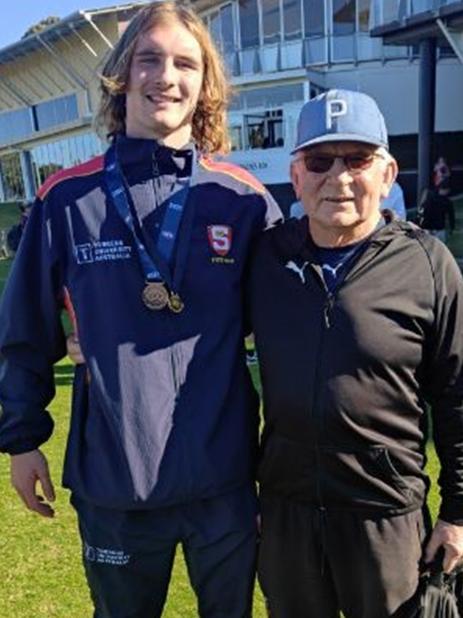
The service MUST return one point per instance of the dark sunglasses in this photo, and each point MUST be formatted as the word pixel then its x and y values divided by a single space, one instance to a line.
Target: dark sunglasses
pixel 322 163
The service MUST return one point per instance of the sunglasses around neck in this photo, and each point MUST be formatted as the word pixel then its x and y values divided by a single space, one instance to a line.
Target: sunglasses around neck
pixel 354 162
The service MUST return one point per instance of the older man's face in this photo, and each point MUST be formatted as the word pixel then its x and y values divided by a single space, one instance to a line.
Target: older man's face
pixel 342 198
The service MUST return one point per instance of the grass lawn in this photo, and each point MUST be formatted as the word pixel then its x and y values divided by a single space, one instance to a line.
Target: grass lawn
pixel 40 568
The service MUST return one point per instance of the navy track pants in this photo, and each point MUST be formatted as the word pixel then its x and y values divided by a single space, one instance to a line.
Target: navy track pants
pixel 128 555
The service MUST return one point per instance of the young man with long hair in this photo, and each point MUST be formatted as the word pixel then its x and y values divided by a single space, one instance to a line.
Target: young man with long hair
pixel 146 246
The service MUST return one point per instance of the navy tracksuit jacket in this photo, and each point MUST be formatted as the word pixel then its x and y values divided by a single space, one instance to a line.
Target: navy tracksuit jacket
pixel 169 414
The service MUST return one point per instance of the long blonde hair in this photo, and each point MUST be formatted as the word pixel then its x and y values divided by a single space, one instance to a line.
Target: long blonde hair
pixel 209 123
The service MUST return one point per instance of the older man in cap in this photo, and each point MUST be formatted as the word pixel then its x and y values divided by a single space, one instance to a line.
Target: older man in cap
pixel 358 323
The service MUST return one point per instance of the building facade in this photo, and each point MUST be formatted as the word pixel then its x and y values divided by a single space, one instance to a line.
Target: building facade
pixel 278 54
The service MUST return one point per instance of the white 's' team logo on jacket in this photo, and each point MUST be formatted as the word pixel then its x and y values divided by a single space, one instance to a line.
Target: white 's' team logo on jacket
pixel 220 238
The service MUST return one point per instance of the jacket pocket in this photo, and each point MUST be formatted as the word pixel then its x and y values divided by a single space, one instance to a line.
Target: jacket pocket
pixel 367 478
pixel 384 458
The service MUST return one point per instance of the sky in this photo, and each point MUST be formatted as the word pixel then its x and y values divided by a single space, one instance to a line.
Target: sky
pixel 18 15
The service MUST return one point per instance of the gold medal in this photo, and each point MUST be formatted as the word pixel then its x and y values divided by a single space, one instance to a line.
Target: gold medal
pixel 155 296
pixel 175 303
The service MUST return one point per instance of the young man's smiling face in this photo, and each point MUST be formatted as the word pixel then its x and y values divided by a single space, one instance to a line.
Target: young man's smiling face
pixel 165 81
pixel 343 204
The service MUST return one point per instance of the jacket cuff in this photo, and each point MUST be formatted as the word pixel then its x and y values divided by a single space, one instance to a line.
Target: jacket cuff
pixel 21 448
pixel 451 511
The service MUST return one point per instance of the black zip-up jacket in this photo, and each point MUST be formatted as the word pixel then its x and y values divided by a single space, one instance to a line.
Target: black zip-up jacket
pixel 346 376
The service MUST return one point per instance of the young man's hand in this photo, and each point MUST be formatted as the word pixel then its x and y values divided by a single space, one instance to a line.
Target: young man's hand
pixel 28 469
pixel 74 350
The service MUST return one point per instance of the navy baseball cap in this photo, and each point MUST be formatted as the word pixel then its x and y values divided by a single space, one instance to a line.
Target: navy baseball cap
pixel 339 116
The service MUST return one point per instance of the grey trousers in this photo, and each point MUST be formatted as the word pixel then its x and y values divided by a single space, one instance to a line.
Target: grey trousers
pixel 315 563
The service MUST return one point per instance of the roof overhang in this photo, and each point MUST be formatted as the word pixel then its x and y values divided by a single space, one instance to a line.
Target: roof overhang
pixel 53 33
pixel 415 28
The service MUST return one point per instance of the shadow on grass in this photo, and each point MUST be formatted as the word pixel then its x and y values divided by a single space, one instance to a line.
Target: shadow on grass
pixel 64 374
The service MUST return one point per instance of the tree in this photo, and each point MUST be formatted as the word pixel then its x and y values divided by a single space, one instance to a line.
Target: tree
pixel 41 25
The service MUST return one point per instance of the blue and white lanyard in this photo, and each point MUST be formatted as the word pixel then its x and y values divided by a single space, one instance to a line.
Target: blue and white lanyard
pixel 156 269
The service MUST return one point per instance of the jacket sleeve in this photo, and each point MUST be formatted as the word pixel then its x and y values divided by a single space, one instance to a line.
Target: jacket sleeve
pixel 273 213
pixel 445 380
pixel 270 216
pixel 31 338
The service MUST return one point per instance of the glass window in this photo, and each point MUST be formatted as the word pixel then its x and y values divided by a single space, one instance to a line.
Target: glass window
pixel 390 11
pixel 249 23
pixel 214 28
pixel 343 17
pixel 67 152
pixel 364 15
pixel 80 148
pixel 314 18
pixel 236 137
pixel 419 6
pixel 222 29
pixel 237 101
pixel 73 152
pixel 56 112
pixel 292 19
pixel 12 177
pixel 271 21
pixel 227 29
pixel 273 96
pixel 15 125
pixel 265 130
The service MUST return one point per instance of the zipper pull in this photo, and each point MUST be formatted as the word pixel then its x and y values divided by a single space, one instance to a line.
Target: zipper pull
pixel 327 310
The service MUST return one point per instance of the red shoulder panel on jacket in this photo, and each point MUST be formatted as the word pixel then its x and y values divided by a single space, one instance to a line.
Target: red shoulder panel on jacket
pixel 84 169
pixel 67 301
pixel 234 171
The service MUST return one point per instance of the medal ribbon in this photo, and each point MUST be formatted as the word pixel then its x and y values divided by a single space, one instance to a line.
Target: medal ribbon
pixel 154 270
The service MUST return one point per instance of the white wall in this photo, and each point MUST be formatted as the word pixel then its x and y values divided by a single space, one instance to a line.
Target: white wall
pixel 395 86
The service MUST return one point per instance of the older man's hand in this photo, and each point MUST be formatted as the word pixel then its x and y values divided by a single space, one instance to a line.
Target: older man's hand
pixel 450 537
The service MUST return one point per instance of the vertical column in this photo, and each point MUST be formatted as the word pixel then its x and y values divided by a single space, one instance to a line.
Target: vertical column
pixel 2 185
pixel 427 109
pixel 27 174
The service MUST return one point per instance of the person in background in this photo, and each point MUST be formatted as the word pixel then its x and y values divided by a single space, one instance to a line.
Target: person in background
pixel 436 213
pixel 395 202
pixel 370 313
pixel 442 176
pixel 15 233
pixel 146 246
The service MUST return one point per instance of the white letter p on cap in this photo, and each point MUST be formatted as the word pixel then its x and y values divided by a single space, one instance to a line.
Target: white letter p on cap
pixel 334 109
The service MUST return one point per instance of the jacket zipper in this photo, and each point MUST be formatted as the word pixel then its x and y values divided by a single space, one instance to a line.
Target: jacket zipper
pixel 325 325
pixel 321 509
pixel 327 309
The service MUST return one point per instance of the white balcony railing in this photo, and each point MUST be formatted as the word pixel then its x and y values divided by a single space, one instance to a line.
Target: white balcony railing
pixel 385 12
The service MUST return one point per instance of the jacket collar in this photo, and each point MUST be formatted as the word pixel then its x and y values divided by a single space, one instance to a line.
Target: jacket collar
pixel 136 154
pixel 293 237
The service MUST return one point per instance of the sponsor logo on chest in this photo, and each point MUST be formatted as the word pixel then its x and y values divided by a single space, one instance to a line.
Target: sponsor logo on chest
pixel 102 251
pixel 220 240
